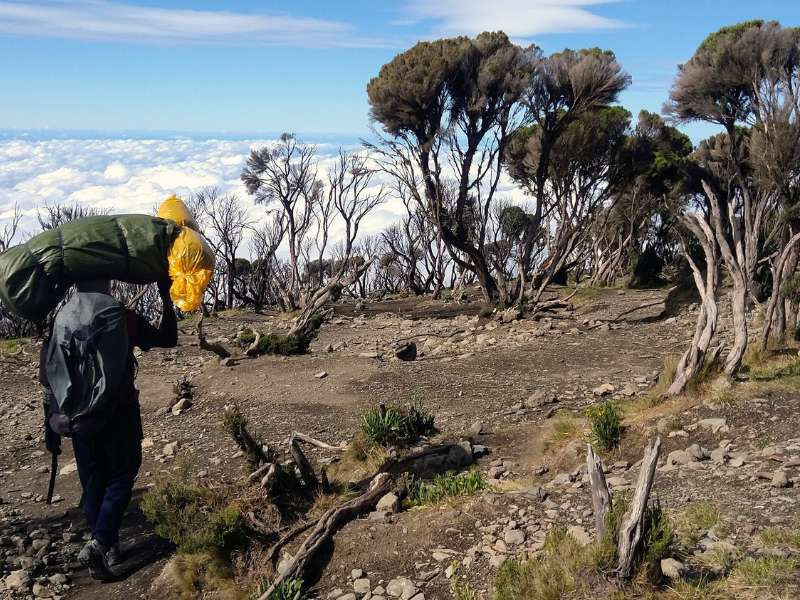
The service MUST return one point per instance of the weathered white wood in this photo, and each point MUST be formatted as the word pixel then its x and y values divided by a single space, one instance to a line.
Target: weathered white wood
pixel 630 531
pixel 601 496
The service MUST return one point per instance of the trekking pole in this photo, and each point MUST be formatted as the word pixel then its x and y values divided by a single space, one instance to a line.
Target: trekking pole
pixel 52 485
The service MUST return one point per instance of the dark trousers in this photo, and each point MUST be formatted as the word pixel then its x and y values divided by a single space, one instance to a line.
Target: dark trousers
pixel 108 462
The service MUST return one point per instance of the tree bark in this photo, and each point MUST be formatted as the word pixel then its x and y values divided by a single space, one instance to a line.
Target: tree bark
pixel 327 526
pixel 601 496
pixel 630 532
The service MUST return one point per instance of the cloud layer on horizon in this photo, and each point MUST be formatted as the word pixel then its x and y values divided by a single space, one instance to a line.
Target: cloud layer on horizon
pixel 134 176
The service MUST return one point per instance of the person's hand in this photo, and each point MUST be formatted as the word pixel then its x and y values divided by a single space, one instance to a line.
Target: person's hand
pixel 52 440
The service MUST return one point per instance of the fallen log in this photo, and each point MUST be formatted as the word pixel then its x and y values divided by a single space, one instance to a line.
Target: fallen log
pixel 327 526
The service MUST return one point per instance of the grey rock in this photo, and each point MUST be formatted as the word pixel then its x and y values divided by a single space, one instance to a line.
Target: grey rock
pixel 779 479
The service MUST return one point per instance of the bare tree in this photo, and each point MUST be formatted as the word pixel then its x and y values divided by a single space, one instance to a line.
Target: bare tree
pixel 226 219
pixel 351 191
pixel 286 174
pixel 10 229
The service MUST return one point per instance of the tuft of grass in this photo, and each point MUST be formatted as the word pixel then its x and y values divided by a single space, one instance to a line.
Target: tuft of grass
pixel 448 485
pixel 665 379
pixel 12 345
pixel 193 517
pixel 765 573
pixel 397 425
pixel 563 429
pixel 552 575
pixel 202 573
pixel 606 425
pixel 773 536
pixel 695 519
pixel 769 372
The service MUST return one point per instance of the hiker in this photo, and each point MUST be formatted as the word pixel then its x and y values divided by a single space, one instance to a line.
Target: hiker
pixel 88 369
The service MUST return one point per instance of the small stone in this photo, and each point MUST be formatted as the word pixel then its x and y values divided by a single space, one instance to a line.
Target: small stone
pixel 678 457
pixel 17 579
pixel 562 479
pixel 389 503
pixel 671 568
pixel 169 448
pixel 514 537
pixel 321 375
pixel 40 591
pixel 180 406
pixel 779 479
pixel 401 587
pixel 227 362
pixel 68 468
pixel 348 596
pixel 715 425
pixel 362 585
pixel 476 429
pixel 356 574
pixel 603 390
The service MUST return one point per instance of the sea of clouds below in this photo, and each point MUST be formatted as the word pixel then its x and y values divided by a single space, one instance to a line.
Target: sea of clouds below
pixel 135 175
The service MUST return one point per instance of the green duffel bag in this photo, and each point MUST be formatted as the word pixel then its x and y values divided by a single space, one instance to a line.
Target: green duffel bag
pixel 34 276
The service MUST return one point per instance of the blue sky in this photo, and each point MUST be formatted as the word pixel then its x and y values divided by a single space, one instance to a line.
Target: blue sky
pixel 260 67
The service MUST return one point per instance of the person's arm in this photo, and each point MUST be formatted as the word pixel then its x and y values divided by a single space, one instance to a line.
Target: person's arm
pixel 166 335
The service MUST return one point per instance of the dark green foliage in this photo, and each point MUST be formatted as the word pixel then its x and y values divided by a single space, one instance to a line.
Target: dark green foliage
pixel 448 485
pixel 193 517
pixel 284 345
pixel 392 425
pixel 291 589
pixel 606 425
pixel 235 424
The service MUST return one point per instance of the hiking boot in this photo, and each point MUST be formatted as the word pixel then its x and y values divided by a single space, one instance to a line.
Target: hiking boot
pixel 93 557
pixel 114 556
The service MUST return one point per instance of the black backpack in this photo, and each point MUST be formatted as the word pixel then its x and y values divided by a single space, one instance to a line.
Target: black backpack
pixel 88 359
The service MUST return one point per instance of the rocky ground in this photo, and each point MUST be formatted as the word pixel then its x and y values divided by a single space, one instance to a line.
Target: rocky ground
pixel 519 388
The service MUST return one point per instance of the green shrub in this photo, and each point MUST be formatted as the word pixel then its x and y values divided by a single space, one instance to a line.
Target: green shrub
pixel 443 486
pixel 193 517
pixel 275 343
pixel 606 425
pixel 392 425
pixel 284 345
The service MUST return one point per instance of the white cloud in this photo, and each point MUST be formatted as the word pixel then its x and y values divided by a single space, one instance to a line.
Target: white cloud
pixel 102 20
pixel 518 18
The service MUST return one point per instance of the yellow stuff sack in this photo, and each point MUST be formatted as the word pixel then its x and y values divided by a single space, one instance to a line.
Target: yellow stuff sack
pixel 190 258
pixel 174 209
